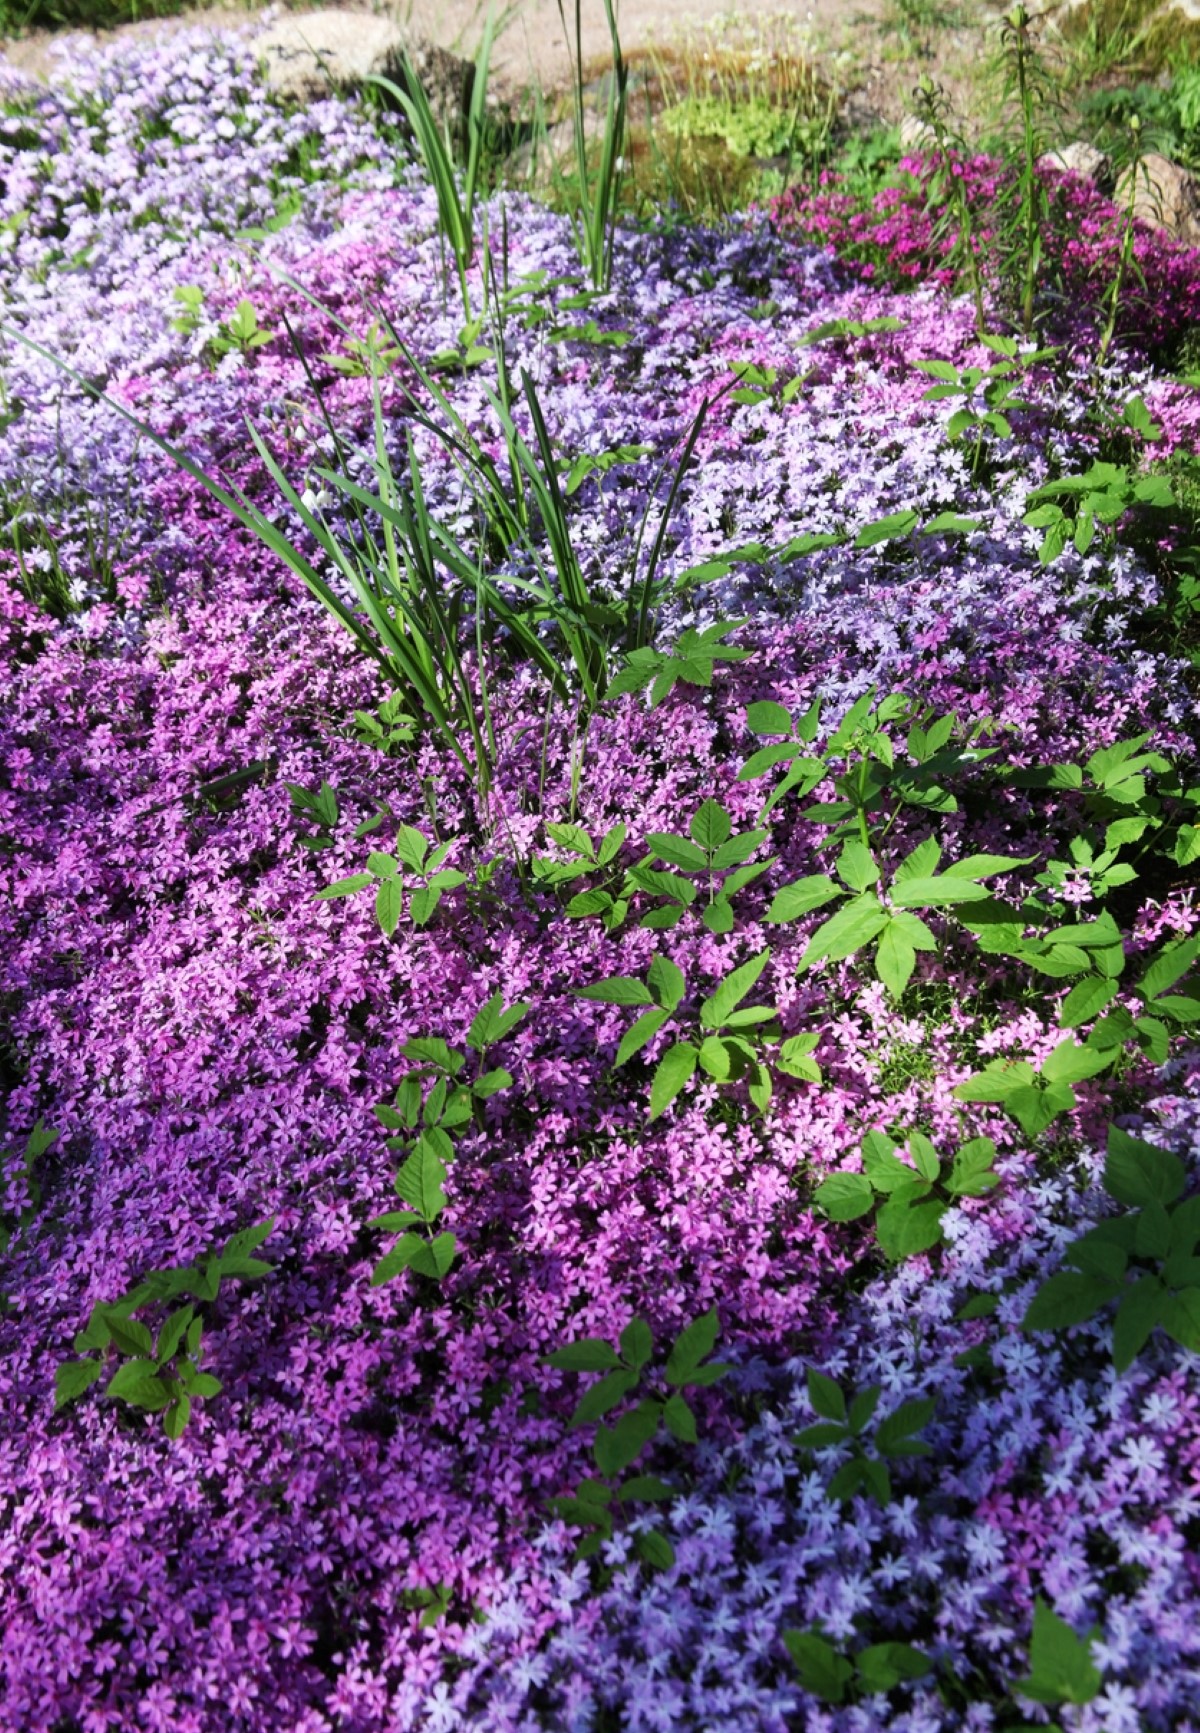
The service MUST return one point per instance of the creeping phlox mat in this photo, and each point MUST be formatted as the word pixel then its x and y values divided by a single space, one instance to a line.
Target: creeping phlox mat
pixel 697 1229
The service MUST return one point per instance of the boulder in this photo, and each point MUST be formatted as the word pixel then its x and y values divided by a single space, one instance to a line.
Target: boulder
pixel 916 134
pixel 1079 158
pixel 1164 194
pixel 307 55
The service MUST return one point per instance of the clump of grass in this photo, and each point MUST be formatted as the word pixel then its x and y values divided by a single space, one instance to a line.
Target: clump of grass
pixel 1109 37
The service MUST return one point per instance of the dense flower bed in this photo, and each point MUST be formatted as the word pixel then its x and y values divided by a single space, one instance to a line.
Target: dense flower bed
pixel 355 1532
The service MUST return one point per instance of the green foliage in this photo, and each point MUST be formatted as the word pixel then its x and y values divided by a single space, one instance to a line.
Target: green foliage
pixel 388 727
pixel 692 661
pixel 908 1200
pixel 1145 1259
pixel 842 331
pixel 724 1039
pixel 860 758
pixel 997 385
pixel 1069 509
pixel 608 899
pixel 425 1125
pixel 1061 1669
pixel 159 1374
pixel 319 807
pixel 875 1670
pixel 877 912
pixel 415 859
pixel 752 126
pixel 1036 1098
pixel 598 181
pixel 843 1425
pixel 617 1446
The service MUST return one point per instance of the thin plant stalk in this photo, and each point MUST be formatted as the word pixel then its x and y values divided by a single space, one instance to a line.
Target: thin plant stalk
pixel 456 211
pixel 599 195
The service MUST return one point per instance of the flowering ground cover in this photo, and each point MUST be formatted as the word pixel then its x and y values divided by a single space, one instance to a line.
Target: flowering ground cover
pixel 737 1062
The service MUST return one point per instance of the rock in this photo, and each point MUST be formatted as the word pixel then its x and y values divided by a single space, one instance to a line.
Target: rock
pixel 1079 158
pixel 309 54
pixel 916 134
pixel 1165 195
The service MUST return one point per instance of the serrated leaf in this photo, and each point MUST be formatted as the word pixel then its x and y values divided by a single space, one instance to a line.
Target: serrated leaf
pixel 905 1225
pixel 1061 1669
pixel 615 1448
pixel 617 990
pixel 604 1396
pixel 845 1197
pixel 826 1396
pixel 694 1343
pixel 588 1355
pixel 1066 1299
pixel 637 1343
pixel 679 1419
pixel 73 1377
pixel 666 982
pixel 1138 1173
pixel 674 1071
pixel 421 1180
pixel 800 898
pixel 655 1549
pixel 715 1011
pixel 822 1671
pixel 137 1382
pixel 642 1032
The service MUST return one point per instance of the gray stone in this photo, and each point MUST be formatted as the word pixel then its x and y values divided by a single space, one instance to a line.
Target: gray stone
pixel 1079 158
pixel 916 134
pixel 1165 195
pixel 309 54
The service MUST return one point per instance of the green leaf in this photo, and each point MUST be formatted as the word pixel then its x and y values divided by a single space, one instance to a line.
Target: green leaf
pixel 1066 1299
pixel 932 893
pixel 1071 1063
pixel 996 1082
pixel 637 1343
pixel 1086 1000
pixel 711 826
pixel 130 1336
pixel 389 900
pixel 800 898
pixel 137 1382
pixel 716 1010
pixel 895 959
pixel 905 1226
pixel 420 1181
pixel 678 851
pixel 73 1377
pixel 587 1355
pixel 899 523
pixel 820 1436
pixel 883 1666
pixel 604 1396
pixel 826 1396
pixel 822 1671
pixel 845 1197
pixel 435 1257
pixel 896 1433
pixel 1138 1173
pixel 1143 1306
pixel 675 1069
pixel 862 1410
pixel 794 1058
pixel 655 1549
pixel 615 1448
pixel 645 1489
pixel 617 990
pixel 411 847
pixel 176 1417
pixel 855 924
pixel 856 866
pixel 766 717
pixel 694 1343
pixel 666 982
pixel 642 1032
pixel 1168 967
pixel 171 1334
pixel 679 1419
pixel 716 1058
pixel 1061 1669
